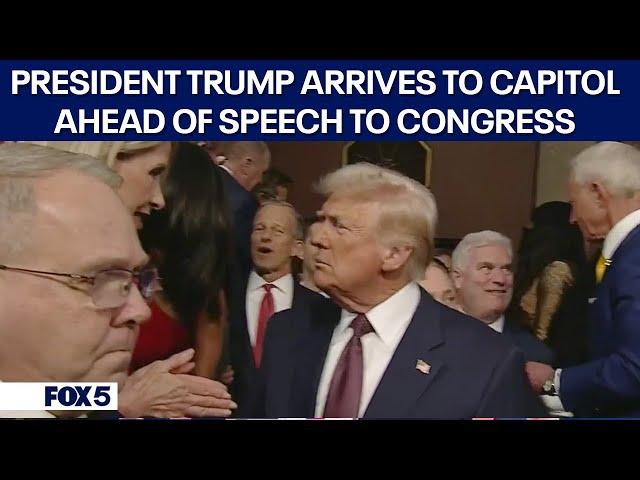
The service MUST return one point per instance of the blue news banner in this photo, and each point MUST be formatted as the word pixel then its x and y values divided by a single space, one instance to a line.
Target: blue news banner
pixel 319 100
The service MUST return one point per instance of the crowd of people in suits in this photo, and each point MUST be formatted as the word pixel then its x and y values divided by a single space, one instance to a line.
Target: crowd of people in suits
pixel 220 300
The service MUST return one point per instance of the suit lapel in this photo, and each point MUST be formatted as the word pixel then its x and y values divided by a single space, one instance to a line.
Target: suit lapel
pixel 310 353
pixel 402 383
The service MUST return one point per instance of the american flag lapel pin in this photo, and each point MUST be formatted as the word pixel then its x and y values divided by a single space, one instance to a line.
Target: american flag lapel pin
pixel 423 367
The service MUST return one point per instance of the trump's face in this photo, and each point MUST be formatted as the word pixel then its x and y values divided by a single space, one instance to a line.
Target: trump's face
pixel 309 250
pixel 348 254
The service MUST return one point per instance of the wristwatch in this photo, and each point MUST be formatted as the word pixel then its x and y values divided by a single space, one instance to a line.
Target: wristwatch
pixel 549 387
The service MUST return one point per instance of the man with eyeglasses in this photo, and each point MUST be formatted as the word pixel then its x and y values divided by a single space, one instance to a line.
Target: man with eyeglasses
pixel 73 277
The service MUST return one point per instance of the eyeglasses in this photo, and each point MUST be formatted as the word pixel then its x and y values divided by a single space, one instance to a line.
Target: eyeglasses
pixel 108 288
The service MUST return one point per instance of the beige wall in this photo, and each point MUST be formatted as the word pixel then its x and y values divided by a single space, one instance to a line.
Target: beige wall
pixel 553 169
pixel 478 185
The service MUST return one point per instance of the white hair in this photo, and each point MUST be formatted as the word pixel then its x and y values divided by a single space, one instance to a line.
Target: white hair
pixel 616 165
pixel 408 212
pixel 19 164
pixel 462 253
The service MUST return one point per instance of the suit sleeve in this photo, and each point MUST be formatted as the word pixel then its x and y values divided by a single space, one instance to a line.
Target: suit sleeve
pixel 508 394
pixel 613 381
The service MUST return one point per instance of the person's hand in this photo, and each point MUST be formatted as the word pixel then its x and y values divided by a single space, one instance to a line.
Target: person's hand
pixel 207 398
pixel 162 389
pixel 227 376
pixel 538 373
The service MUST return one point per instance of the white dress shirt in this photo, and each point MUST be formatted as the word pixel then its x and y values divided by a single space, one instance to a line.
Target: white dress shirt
pixel 282 299
pixel 498 325
pixel 612 241
pixel 390 319
pixel 618 233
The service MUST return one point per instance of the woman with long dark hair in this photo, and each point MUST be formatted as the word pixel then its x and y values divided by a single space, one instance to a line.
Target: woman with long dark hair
pixel 550 293
pixel 189 243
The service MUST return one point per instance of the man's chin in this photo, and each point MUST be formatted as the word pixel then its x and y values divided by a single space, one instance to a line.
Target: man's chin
pixel 114 367
pixel 326 285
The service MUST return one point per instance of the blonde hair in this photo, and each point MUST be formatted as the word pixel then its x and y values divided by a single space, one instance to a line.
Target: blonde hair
pixel 106 152
pixel 408 211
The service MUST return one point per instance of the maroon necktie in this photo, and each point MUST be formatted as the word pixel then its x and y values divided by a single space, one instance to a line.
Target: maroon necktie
pixel 343 399
pixel 266 310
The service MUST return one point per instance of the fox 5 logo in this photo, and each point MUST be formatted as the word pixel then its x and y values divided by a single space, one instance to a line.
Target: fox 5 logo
pixel 87 396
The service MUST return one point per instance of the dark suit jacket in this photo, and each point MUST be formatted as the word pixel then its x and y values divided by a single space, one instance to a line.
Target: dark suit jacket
pixel 534 350
pixel 242 209
pixel 475 372
pixel 241 350
pixel 609 384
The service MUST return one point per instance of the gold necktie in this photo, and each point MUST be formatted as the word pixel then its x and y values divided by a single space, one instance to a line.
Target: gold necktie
pixel 601 267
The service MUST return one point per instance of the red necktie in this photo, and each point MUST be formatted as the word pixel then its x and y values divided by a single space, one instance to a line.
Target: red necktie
pixel 266 310
pixel 343 399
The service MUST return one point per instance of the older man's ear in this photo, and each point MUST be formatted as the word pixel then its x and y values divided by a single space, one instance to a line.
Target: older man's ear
pixel 395 258
pixel 457 278
pixel 298 249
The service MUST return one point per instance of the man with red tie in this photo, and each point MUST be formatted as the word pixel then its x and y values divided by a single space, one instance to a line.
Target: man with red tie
pixel 381 347
pixel 275 239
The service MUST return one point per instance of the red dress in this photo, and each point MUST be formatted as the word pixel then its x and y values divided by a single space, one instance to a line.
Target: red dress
pixel 160 337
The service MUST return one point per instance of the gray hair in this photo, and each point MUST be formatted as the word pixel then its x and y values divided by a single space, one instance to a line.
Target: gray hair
pixel 462 253
pixel 616 165
pixel 298 220
pixel 19 164
pixel 408 212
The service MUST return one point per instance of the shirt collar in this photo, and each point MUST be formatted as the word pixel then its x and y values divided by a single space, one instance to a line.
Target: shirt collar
pixel 619 232
pixel 498 325
pixel 284 283
pixel 389 318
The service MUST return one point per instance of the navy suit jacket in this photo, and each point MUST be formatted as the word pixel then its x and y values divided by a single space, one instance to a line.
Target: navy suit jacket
pixel 242 209
pixel 534 350
pixel 475 372
pixel 241 350
pixel 609 384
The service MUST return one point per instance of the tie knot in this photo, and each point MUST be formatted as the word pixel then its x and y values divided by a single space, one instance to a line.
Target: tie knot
pixel 361 326
pixel 268 286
